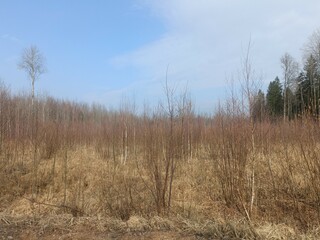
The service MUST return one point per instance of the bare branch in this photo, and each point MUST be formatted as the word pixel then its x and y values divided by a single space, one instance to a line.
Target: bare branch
pixel 33 63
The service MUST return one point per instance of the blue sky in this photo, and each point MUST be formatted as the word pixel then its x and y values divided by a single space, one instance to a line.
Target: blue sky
pixel 104 51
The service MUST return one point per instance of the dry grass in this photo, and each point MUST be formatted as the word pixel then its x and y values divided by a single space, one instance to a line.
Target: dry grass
pixel 50 225
pixel 107 196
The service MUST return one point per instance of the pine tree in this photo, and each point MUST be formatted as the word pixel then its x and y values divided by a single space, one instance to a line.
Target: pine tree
pixel 302 94
pixel 275 98
pixel 259 105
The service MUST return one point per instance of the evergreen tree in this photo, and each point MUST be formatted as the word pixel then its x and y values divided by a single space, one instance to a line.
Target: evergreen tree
pixel 291 99
pixel 302 94
pixel 259 105
pixel 275 98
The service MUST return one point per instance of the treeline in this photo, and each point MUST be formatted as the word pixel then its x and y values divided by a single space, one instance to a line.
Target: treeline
pixel 298 93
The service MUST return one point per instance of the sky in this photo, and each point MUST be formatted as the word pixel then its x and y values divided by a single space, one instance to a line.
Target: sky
pixel 105 51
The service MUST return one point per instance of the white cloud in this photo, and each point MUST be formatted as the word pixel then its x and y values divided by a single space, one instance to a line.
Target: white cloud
pixel 204 38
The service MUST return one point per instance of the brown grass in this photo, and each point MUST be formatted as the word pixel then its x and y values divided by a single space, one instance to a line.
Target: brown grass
pixel 98 187
pixel 66 226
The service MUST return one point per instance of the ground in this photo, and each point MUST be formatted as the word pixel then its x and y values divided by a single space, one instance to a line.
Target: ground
pixel 59 228
pixel 30 233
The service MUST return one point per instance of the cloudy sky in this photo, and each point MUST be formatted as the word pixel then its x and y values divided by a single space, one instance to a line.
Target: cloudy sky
pixel 104 51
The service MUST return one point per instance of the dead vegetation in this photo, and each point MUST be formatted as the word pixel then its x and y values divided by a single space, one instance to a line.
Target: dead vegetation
pixel 67 226
pixel 71 167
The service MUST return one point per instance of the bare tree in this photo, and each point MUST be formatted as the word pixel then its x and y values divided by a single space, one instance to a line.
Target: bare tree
pixel 312 57
pixel 33 63
pixel 313 47
pixel 290 72
pixel 250 83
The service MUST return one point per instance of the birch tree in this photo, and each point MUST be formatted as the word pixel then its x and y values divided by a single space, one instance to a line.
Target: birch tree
pixel 33 63
pixel 290 72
